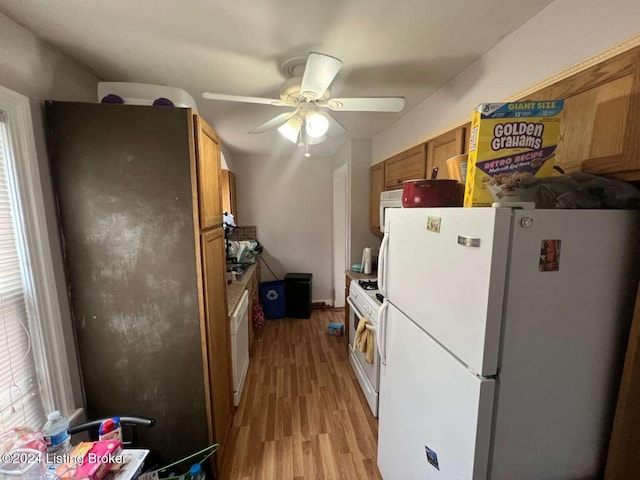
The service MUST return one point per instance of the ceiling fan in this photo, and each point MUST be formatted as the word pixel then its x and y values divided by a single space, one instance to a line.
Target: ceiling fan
pixel 307 93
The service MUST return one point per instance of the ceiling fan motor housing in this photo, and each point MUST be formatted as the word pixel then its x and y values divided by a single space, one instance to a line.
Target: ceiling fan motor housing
pixel 290 92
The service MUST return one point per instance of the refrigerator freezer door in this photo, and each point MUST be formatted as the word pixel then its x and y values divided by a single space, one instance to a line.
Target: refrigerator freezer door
pixel 571 283
pixel 435 415
pixel 445 269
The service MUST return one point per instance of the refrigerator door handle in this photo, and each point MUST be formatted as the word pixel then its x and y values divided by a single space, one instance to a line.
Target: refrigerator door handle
pixel 382 265
pixel 381 332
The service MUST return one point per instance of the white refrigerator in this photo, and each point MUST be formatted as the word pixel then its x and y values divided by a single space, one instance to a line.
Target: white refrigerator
pixel 501 340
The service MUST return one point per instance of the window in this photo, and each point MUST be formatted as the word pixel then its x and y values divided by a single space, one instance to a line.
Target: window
pixel 20 400
pixel 34 369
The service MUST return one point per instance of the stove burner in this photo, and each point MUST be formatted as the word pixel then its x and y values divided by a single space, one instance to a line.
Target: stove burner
pixel 368 284
pixel 380 297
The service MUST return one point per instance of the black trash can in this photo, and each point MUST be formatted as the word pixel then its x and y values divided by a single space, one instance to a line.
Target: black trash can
pixel 297 294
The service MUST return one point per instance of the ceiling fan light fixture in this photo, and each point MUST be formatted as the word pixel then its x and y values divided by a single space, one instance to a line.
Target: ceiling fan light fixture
pixel 316 124
pixel 291 129
pixel 315 140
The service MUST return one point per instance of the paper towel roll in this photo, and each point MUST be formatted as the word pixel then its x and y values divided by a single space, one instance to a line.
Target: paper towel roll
pixel 366 260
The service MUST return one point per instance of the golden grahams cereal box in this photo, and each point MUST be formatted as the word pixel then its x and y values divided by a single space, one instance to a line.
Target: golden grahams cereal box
pixel 510 142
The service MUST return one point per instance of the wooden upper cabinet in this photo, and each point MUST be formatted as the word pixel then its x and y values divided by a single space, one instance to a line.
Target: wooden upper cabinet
pixel 207 146
pixel 599 130
pixel 442 148
pixel 408 165
pixel 375 189
pixel 228 188
pixel 467 134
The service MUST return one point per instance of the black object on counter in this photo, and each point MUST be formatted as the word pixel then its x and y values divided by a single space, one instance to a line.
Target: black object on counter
pixel 297 294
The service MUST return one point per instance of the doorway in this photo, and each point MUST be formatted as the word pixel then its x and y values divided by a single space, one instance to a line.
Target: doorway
pixel 341 244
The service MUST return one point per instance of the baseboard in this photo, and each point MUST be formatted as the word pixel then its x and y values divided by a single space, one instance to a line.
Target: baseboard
pixel 320 304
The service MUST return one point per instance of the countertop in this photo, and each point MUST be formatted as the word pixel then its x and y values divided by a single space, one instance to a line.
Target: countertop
pixel 361 276
pixel 235 289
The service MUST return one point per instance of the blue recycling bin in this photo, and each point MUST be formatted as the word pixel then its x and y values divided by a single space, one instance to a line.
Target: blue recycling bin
pixel 272 299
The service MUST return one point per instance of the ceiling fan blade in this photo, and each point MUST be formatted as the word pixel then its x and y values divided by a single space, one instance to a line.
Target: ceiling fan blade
pixel 318 74
pixel 274 122
pixel 240 98
pixel 335 127
pixel 365 104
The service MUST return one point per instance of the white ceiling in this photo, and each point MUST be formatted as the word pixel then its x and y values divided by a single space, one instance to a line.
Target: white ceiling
pixel 404 48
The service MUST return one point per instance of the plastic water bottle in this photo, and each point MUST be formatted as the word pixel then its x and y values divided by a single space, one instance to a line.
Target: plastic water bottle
pixel 56 434
pixel 196 472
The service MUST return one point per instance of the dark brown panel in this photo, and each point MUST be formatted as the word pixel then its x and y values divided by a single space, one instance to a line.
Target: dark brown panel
pixel 122 176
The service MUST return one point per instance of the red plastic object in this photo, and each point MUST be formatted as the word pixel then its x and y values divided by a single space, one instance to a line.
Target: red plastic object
pixel 432 193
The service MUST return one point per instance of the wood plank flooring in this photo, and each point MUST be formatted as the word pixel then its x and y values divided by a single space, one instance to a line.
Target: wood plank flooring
pixel 302 413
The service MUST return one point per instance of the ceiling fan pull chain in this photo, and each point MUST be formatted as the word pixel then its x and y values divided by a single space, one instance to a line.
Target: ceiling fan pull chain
pixel 306 143
pixel 300 142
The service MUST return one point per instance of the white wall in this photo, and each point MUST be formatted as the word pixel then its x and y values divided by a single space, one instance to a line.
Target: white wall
pixel 38 71
pixel 289 199
pixel 561 35
pixel 359 166
pixel 357 155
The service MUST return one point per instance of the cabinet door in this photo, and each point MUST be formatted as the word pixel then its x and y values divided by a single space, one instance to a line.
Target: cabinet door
pixel 228 189
pixel 407 165
pixel 232 196
pixel 347 310
pixel 208 166
pixel 252 286
pixel 467 132
pixel 218 334
pixel 442 148
pixel 599 131
pixel 375 189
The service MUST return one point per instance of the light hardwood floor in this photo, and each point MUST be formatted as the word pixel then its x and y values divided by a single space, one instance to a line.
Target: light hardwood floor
pixel 302 414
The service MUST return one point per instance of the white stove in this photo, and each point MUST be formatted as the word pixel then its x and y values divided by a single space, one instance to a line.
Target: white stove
pixel 369 288
pixel 365 301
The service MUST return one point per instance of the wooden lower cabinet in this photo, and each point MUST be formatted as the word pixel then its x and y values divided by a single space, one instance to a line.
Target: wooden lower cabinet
pixel 218 335
pixel 252 287
pixel 347 310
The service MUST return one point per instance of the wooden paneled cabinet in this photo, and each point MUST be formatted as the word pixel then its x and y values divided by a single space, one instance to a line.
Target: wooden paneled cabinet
pixel 347 309
pixel 252 287
pixel 228 189
pixel 408 165
pixel 218 333
pixel 375 189
pixel 208 153
pixel 600 128
pixel 442 148
pixel 390 174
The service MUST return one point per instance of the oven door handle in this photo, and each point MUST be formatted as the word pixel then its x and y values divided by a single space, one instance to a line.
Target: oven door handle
pixel 356 311
pixel 353 307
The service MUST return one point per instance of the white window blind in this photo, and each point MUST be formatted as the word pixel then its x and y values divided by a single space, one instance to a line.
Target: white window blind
pixel 20 399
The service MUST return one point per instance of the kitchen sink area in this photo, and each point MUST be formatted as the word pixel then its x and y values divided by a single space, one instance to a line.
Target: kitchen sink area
pixel 237 271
